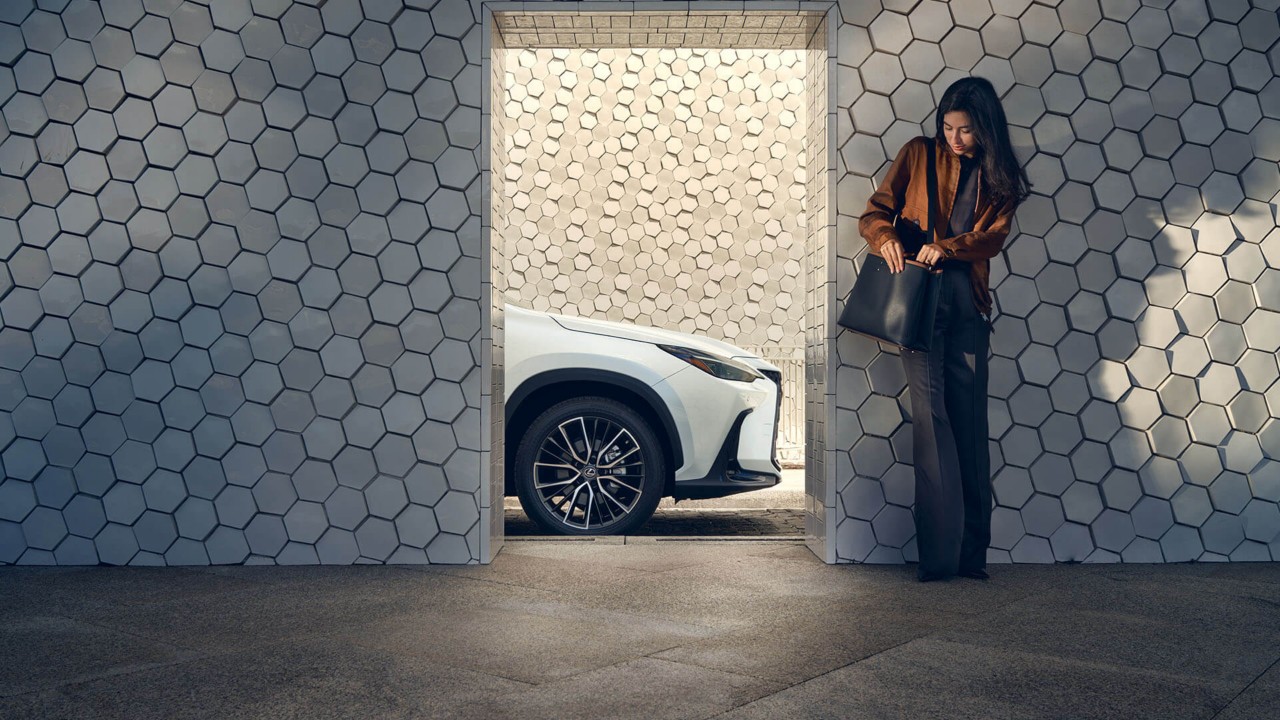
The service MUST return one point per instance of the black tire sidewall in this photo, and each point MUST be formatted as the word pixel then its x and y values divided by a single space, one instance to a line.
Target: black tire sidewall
pixel 614 411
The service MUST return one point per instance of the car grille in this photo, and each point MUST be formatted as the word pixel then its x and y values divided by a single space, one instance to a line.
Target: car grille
pixel 776 377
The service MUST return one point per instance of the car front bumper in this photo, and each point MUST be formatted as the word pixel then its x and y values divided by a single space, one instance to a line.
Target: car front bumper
pixel 731 428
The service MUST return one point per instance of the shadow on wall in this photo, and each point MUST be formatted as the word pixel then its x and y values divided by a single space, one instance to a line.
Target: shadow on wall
pixel 240 296
pixel 1134 395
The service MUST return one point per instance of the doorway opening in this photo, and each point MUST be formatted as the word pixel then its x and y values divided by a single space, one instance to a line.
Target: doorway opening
pixel 666 170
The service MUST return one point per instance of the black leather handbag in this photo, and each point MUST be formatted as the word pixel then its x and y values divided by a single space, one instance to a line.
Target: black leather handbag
pixel 899 308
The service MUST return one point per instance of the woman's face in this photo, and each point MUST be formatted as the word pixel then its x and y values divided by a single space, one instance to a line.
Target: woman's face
pixel 959 133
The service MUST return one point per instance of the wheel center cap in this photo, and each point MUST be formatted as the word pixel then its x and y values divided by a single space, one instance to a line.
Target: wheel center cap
pixel 589 471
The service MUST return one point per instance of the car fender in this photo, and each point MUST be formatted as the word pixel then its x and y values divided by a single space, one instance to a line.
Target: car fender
pixel 610 377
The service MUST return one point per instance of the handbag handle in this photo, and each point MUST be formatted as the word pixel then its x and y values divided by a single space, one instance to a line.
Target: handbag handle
pixel 926 266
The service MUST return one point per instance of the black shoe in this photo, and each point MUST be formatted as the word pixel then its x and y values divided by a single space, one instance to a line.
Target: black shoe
pixel 976 573
pixel 930 576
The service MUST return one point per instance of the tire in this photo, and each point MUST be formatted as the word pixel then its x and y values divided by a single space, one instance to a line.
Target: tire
pixel 574 500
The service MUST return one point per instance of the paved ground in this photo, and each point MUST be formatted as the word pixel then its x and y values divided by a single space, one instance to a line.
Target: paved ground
pixel 648 629
pixel 694 522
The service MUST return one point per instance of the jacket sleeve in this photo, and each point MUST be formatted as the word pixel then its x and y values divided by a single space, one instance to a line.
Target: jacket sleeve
pixel 981 244
pixel 876 223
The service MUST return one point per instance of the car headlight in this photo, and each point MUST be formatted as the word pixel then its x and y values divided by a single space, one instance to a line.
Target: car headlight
pixel 722 367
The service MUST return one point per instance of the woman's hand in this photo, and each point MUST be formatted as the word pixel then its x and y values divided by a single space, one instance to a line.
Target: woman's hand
pixel 891 251
pixel 930 254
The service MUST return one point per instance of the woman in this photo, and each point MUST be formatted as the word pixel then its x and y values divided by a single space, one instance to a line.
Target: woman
pixel 980 184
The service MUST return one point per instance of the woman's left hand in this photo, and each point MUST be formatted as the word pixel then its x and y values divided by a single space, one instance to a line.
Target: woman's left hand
pixel 930 254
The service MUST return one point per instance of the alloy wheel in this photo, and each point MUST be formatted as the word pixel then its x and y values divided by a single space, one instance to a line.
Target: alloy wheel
pixel 589 472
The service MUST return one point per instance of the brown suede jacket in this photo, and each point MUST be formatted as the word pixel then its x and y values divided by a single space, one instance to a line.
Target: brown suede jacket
pixel 905 189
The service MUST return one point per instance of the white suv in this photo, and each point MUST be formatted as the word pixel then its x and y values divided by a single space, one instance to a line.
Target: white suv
pixel 604 419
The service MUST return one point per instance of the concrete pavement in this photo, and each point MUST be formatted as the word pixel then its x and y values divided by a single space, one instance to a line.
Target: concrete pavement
pixel 641 628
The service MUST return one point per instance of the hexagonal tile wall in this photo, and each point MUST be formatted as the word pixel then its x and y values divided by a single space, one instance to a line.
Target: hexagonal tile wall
pixel 659 187
pixel 210 220
pixel 1134 326
pixel 628 199
pixel 154 156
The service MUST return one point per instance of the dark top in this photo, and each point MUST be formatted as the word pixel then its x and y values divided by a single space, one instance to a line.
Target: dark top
pixel 966 198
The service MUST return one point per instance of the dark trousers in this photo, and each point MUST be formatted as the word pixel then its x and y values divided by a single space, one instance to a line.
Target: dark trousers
pixel 949 433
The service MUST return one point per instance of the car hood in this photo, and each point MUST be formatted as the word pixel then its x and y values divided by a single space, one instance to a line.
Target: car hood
pixel 645 333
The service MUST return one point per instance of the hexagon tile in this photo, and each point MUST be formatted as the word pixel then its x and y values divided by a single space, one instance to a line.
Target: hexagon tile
pixel 243 298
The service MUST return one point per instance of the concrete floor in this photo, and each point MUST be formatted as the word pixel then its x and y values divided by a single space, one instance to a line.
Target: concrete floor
pixel 641 628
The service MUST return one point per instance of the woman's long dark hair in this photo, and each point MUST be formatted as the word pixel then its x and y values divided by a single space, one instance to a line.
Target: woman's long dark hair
pixel 1002 175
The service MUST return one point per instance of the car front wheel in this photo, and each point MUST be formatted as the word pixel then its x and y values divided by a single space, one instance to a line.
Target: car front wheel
pixel 589 466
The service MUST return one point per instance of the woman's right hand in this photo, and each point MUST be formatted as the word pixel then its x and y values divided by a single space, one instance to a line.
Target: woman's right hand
pixel 891 251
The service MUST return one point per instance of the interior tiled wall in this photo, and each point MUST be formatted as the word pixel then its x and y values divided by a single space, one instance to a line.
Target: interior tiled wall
pixel 818 260
pixel 243 293
pixel 495 127
pixel 721 176
pixel 771 26
pixel 655 186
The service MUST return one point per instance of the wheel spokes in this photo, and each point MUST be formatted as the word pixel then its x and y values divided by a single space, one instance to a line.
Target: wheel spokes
pixel 632 489
pixel 569 445
pixel 553 483
pixel 558 451
pixel 620 458
pixel 574 485
pixel 624 508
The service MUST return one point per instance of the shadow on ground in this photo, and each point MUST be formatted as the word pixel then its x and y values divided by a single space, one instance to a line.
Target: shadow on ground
pixel 742 522
pixel 608 628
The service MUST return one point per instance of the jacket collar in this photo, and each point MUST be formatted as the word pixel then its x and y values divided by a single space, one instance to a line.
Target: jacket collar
pixel 949 181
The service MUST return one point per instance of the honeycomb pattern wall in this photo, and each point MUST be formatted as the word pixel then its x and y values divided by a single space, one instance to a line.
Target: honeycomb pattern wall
pixel 820 179
pixel 661 187
pixel 241 283
pixel 244 301
pixel 494 130
pixel 1135 408
pixel 770 26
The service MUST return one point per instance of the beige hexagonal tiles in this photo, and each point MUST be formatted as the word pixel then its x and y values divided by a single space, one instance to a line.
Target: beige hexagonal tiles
pixel 663 187
pixel 659 186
